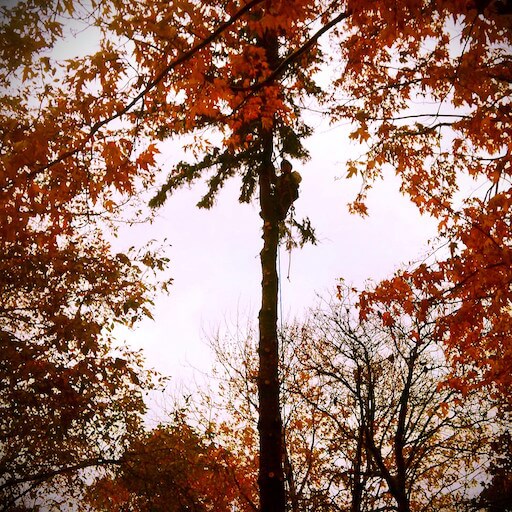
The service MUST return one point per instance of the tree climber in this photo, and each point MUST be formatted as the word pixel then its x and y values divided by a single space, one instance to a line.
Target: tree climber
pixel 287 188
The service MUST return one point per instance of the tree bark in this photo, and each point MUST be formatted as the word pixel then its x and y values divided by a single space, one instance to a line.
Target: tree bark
pixel 271 473
pixel 271 477
pixel 270 426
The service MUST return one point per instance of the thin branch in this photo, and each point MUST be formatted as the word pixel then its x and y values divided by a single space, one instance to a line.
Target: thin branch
pixel 46 475
pixel 152 84
pixel 294 56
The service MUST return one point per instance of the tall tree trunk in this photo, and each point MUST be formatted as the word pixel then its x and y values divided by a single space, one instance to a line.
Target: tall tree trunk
pixel 270 425
pixel 271 477
pixel 271 474
pixel 402 501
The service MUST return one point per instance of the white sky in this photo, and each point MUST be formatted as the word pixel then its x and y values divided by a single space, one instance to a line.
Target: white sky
pixel 215 254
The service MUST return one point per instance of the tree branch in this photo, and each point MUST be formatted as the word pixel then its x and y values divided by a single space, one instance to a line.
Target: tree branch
pixel 281 68
pixel 152 84
pixel 46 475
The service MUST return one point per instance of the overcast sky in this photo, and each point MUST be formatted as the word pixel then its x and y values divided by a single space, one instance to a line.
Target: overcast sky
pixel 215 254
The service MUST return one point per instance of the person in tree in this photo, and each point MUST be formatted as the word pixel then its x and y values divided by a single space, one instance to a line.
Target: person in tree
pixel 287 188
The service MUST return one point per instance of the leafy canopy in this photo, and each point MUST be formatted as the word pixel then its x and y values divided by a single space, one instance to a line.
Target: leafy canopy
pixel 428 84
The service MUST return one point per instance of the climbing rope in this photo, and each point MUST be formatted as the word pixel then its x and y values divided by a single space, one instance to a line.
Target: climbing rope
pixel 290 245
pixel 279 283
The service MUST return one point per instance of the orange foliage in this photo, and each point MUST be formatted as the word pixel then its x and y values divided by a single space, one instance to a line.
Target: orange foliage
pixel 172 468
pixel 437 112
pixel 79 137
pixel 62 289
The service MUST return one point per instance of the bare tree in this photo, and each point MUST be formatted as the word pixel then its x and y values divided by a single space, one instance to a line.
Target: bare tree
pixel 408 442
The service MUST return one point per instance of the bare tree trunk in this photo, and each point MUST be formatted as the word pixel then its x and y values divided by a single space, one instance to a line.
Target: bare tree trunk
pixel 399 441
pixel 271 474
pixel 358 484
pixel 270 425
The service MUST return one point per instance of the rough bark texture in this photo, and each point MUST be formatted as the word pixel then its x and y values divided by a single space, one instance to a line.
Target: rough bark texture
pixel 271 477
pixel 270 428
pixel 271 474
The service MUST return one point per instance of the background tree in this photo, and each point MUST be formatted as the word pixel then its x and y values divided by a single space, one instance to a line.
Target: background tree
pixel 70 396
pixel 172 468
pixel 406 442
pixel 437 114
pixel 367 423
pixel 62 414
